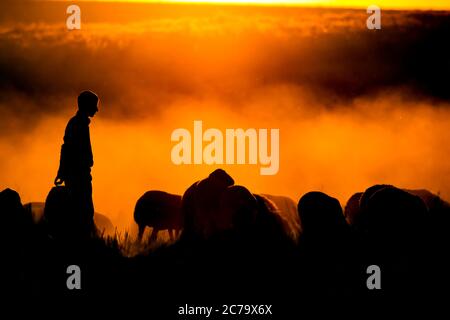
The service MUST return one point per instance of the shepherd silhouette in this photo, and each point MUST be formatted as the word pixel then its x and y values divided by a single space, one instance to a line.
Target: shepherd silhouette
pixel 77 160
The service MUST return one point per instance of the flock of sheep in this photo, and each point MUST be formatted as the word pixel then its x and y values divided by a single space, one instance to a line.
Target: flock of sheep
pixel 212 206
pixel 216 205
pixel 217 225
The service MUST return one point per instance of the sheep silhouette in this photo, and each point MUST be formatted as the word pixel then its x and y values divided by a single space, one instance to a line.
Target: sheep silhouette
pixel 62 220
pixel 254 216
pixel 215 205
pixel 321 216
pixel 352 208
pixel 18 239
pixel 393 219
pixel 238 210
pixel 159 210
pixel 433 201
pixel 254 220
pixel 102 222
pixel 357 204
pixel 272 226
pixel 59 216
pixel 368 193
pixel 201 205
pixel 15 220
pixel 325 243
pixel 287 208
pixel 439 219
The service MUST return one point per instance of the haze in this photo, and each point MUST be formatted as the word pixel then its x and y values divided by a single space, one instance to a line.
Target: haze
pixel 354 107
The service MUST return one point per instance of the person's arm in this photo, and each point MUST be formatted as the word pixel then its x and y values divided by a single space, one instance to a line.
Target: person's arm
pixel 88 148
pixel 64 156
pixel 61 175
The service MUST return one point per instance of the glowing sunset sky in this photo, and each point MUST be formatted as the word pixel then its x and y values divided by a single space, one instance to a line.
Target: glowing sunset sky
pixel 354 107
pixel 388 4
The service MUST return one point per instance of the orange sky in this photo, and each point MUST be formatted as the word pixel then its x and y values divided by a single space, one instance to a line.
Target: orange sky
pixel 388 4
pixel 347 116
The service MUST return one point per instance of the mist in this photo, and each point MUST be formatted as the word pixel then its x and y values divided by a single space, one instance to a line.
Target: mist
pixel 376 141
pixel 354 108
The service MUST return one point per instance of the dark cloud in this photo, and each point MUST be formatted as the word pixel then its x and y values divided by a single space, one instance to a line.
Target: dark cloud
pixel 140 65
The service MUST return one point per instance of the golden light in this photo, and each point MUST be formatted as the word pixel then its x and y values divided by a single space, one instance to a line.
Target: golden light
pixel 201 64
pixel 386 4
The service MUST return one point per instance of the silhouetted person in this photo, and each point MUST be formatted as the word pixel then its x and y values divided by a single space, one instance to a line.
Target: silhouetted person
pixel 77 159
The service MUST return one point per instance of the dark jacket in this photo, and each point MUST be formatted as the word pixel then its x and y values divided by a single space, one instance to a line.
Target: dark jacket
pixel 76 153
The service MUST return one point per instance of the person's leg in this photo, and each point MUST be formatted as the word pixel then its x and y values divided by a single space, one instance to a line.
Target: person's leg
pixel 88 207
pixel 74 210
pixel 83 207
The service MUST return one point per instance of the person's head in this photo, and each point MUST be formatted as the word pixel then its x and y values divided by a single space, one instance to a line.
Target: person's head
pixel 88 103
